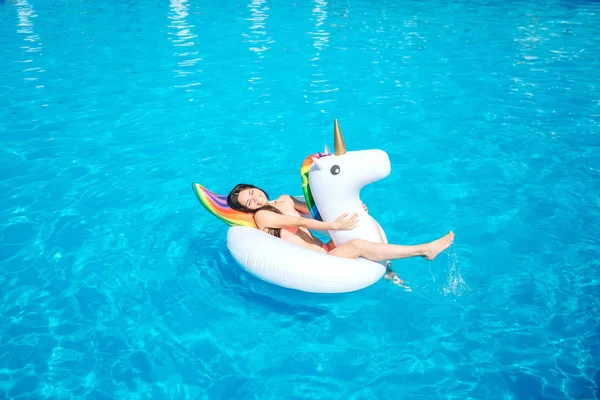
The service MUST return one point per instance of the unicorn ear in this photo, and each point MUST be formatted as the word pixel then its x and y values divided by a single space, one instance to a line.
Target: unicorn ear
pixel 326 151
pixel 317 163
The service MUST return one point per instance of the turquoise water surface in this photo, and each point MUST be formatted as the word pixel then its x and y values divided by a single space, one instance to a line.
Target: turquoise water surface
pixel 117 284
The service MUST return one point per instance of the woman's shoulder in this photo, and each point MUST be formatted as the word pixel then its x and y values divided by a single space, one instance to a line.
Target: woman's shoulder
pixel 284 198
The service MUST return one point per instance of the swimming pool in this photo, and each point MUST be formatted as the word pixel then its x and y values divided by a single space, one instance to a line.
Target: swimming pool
pixel 117 284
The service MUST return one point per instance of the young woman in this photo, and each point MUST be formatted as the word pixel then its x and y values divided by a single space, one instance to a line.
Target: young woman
pixel 282 218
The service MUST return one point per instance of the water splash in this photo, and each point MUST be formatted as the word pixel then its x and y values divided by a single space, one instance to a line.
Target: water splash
pixel 455 284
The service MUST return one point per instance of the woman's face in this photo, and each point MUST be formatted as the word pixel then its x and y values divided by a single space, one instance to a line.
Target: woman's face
pixel 252 199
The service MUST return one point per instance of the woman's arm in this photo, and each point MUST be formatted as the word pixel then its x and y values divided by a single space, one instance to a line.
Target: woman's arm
pixel 269 219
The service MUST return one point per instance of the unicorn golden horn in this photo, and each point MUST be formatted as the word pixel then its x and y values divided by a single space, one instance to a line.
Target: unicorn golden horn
pixel 338 140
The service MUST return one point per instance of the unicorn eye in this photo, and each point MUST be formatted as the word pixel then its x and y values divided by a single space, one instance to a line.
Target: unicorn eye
pixel 335 170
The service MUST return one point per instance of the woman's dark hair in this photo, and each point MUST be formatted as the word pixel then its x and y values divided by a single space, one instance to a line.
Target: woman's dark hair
pixel 233 202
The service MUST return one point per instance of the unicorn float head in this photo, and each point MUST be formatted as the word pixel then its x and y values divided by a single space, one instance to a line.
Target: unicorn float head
pixel 334 182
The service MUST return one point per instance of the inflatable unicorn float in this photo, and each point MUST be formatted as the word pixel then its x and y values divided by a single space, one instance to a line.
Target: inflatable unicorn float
pixel 331 184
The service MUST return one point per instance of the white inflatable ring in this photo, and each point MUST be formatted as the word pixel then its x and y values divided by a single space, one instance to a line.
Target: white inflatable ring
pixel 286 264
pixel 294 267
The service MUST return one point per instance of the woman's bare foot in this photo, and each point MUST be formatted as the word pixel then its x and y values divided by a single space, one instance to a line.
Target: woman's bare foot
pixel 391 275
pixel 434 248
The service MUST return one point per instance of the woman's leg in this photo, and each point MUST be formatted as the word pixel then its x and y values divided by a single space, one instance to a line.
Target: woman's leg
pixel 381 251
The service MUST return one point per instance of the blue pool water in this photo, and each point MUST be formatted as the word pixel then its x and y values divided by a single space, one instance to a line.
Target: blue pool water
pixel 116 283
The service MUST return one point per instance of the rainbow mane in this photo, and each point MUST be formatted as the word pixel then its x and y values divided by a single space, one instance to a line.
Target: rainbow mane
pixel 310 202
pixel 217 205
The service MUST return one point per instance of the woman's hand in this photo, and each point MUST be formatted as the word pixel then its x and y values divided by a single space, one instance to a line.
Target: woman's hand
pixel 345 222
pixel 365 208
